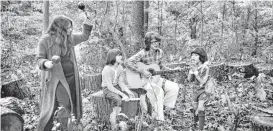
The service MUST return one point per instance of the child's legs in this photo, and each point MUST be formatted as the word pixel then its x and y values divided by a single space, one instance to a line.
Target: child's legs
pixel 201 109
pixel 116 101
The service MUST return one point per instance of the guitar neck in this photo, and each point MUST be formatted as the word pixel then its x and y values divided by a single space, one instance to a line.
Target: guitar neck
pixel 169 71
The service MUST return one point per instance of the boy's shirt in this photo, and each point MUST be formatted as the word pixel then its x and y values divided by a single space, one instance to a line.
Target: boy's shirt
pixel 202 73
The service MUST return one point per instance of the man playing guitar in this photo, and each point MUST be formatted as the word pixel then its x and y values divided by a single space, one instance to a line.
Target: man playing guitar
pixel 153 55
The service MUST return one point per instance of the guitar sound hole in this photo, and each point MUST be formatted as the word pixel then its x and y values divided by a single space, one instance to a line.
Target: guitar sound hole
pixel 152 71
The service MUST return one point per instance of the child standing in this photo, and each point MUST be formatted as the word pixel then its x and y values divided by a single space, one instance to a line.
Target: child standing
pixel 199 75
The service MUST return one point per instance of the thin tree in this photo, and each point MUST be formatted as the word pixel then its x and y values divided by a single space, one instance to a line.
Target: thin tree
pixel 255 29
pixel 46 15
pixel 202 23
pixel 146 15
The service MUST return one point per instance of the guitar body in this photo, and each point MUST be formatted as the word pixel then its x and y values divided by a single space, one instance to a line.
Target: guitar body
pixel 137 80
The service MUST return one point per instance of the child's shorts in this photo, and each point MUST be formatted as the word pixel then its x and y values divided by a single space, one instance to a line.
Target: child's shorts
pixel 115 99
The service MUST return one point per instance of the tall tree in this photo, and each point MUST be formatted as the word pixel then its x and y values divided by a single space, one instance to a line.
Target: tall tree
pixel 137 18
pixel 255 26
pixel 202 22
pixel 193 25
pixel 146 15
pixel 46 15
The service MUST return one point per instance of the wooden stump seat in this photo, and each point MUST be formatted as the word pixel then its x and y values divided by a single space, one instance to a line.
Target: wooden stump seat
pixel 10 120
pixel 102 107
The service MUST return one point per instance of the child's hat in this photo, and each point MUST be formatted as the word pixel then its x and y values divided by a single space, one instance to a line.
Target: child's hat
pixel 202 53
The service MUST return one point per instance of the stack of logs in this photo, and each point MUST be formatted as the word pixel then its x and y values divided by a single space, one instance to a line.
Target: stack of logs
pixel 11 106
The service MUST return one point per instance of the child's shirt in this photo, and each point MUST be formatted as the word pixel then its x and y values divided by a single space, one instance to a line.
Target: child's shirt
pixel 111 75
pixel 202 72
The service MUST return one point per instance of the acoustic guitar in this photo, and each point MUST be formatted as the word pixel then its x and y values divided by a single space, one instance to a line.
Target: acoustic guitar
pixel 137 80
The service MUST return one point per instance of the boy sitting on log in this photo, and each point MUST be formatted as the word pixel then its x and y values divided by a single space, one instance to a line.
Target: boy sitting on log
pixel 113 84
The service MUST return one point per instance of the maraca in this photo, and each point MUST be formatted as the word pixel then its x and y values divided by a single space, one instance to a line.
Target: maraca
pixel 55 59
pixel 81 6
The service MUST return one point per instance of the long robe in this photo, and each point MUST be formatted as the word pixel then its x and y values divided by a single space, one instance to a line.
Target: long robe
pixel 51 77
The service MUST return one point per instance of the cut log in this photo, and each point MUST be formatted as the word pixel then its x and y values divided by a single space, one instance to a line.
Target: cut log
pixel 219 72
pixel 13 103
pixel 103 107
pixel 246 69
pixel 10 120
pixel 15 89
pixel 91 82
pixel 174 65
pixel 267 69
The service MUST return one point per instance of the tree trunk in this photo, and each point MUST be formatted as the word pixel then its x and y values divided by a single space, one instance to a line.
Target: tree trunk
pixel 192 24
pixel 202 23
pixel 10 120
pixel 137 17
pixel 118 33
pixel 235 28
pixel 161 18
pixel 146 15
pixel 13 103
pixel 46 15
pixel 254 53
pixel 91 82
pixel 223 18
pixel 246 19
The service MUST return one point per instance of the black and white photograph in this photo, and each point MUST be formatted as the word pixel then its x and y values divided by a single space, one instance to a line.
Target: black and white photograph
pixel 136 65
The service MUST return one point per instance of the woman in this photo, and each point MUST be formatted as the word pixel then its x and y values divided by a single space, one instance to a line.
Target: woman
pixel 59 75
pixel 113 84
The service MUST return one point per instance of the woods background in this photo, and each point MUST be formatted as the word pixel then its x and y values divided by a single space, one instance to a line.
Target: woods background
pixel 230 32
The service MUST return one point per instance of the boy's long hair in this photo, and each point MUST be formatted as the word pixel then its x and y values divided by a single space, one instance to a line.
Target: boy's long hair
pixel 149 37
pixel 111 56
pixel 58 27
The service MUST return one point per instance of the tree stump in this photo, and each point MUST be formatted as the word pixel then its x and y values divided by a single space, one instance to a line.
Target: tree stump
pixel 10 120
pixel 15 89
pixel 102 107
pixel 219 72
pixel 13 104
pixel 91 82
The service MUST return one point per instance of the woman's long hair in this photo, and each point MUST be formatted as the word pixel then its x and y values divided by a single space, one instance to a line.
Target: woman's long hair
pixel 111 56
pixel 58 27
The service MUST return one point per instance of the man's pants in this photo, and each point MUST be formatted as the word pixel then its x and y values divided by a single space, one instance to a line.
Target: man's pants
pixel 164 96
pixel 171 90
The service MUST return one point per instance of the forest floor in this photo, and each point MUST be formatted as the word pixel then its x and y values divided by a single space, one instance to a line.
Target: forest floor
pixel 230 108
